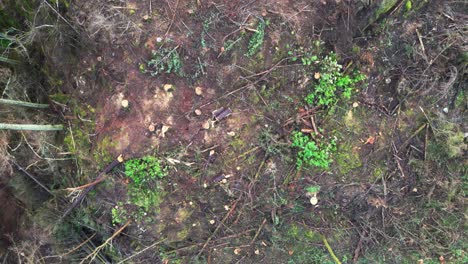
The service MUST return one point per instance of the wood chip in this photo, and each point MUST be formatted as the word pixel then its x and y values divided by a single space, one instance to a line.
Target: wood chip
pixel 198 90
pixel 313 200
pixel 164 129
pixel 221 113
pixel 206 125
pixel 168 87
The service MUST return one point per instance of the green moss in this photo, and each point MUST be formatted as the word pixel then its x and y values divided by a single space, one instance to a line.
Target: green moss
pixel 347 158
pixel 378 172
pixel 145 192
pixel 461 100
pixel 383 8
pixel 101 153
pixel 298 241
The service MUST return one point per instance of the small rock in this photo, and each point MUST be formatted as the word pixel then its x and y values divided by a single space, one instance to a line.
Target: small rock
pixel 198 112
pixel 124 103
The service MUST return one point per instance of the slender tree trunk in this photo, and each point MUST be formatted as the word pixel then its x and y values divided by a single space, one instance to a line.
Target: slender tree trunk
pixel 22 103
pixel 4 126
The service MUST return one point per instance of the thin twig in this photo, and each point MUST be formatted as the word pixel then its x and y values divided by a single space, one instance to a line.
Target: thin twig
pixel 141 251
pixel 82 195
pixel 330 250
pixel 32 177
pixel 71 250
pixel 173 17
pixel 258 231
pixel 98 249
pixel 219 226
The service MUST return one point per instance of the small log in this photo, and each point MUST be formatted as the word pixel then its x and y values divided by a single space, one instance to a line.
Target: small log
pixel 221 113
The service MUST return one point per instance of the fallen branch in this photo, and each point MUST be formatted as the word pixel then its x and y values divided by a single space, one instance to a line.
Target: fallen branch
pixel 22 103
pixel 18 127
pixel 330 250
pixel 98 249
pixel 141 251
pixel 258 231
pixel 219 226
pixel 405 144
pixel 32 177
pixel 89 187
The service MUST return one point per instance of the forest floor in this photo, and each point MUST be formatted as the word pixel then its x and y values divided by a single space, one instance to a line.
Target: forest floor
pixel 217 110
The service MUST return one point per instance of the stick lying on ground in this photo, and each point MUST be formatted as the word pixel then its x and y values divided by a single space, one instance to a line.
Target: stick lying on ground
pixel 89 187
pixel 32 177
pixel 4 126
pixel 22 103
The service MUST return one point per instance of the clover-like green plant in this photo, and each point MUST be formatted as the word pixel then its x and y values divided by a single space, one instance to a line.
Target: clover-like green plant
pixel 332 84
pixel 164 60
pixel 312 153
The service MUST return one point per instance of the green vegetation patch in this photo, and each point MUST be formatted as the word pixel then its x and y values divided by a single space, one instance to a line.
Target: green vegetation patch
pixel 145 192
pixel 312 153
pixel 256 41
pixel 332 84
pixel 301 245
pixel 144 170
pixel 164 60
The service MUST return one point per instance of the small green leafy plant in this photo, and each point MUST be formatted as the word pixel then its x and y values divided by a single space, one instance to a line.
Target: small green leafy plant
pixel 144 170
pixel 312 153
pixel 332 82
pixel 144 191
pixel 256 41
pixel 164 60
